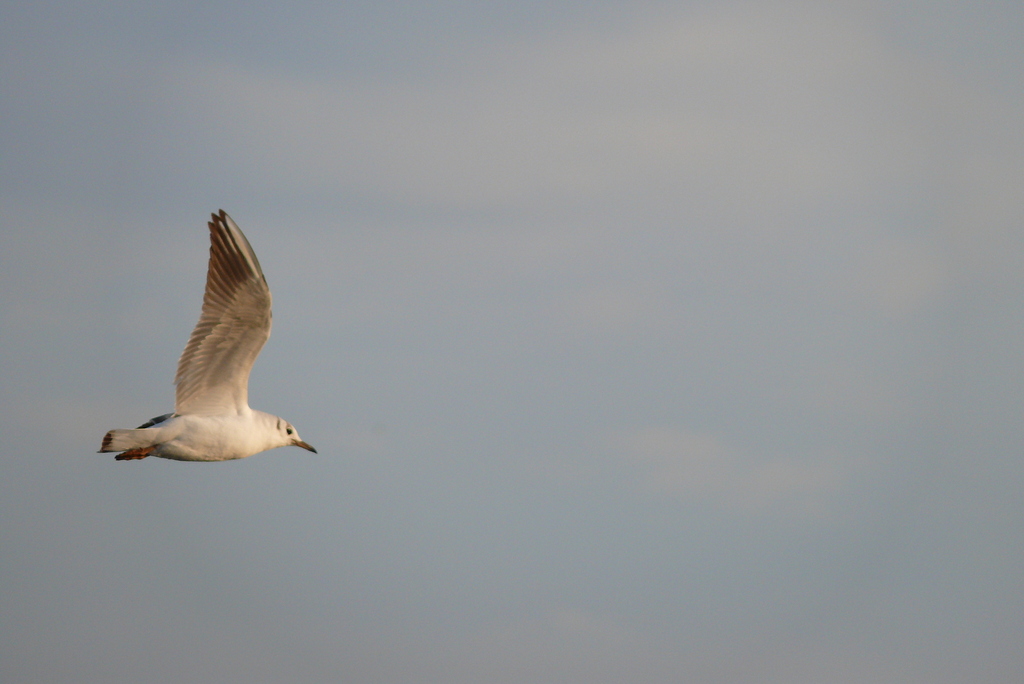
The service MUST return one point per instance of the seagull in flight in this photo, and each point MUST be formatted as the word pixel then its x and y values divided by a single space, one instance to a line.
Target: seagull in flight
pixel 212 420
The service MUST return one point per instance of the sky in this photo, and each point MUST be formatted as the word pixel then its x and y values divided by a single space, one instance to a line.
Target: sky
pixel 649 341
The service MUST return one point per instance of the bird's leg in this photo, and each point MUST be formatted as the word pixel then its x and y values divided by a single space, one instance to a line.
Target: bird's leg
pixel 135 454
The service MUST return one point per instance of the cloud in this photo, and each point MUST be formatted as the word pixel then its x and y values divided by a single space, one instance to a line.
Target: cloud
pixel 570 643
pixel 901 276
pixel 698 467
pixel 746 104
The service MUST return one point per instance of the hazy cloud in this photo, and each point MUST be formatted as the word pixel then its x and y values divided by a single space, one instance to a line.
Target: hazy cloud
pixel 768 105
pixel 699 468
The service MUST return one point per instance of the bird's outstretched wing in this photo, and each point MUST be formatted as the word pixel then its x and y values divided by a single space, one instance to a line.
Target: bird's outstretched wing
pixel 213 371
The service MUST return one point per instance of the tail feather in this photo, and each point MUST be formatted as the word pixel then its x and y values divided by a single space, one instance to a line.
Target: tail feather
pixel 123 440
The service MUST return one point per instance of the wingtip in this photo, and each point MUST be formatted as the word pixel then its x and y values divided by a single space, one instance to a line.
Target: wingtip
pixel 219 217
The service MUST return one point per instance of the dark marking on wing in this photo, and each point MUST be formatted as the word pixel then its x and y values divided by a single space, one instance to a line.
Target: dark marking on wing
pixel 155 421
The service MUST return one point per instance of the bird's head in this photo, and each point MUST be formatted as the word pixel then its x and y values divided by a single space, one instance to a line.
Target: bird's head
pixel 290 436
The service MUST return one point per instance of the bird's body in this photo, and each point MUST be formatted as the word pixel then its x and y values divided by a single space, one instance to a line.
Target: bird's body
pixel 212 420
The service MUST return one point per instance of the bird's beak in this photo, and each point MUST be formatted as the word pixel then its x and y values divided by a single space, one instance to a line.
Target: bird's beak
pixel 304 446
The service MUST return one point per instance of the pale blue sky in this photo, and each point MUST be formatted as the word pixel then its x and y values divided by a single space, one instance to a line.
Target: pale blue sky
pixel 646 342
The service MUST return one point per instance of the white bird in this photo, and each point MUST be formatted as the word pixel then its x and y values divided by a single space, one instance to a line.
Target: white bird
pixel 212 420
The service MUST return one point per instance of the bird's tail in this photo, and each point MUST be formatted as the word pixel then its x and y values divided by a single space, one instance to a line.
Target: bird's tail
pixel 123 440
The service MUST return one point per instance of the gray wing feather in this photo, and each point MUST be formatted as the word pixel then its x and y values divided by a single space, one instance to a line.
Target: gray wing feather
pixel 213 371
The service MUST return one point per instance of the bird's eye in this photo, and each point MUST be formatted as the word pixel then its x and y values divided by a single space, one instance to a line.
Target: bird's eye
pixel 289 431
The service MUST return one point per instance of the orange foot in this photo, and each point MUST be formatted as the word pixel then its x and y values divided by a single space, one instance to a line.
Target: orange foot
pixel 135 454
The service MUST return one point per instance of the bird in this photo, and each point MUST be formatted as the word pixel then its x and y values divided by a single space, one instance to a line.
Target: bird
pixel 212 420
